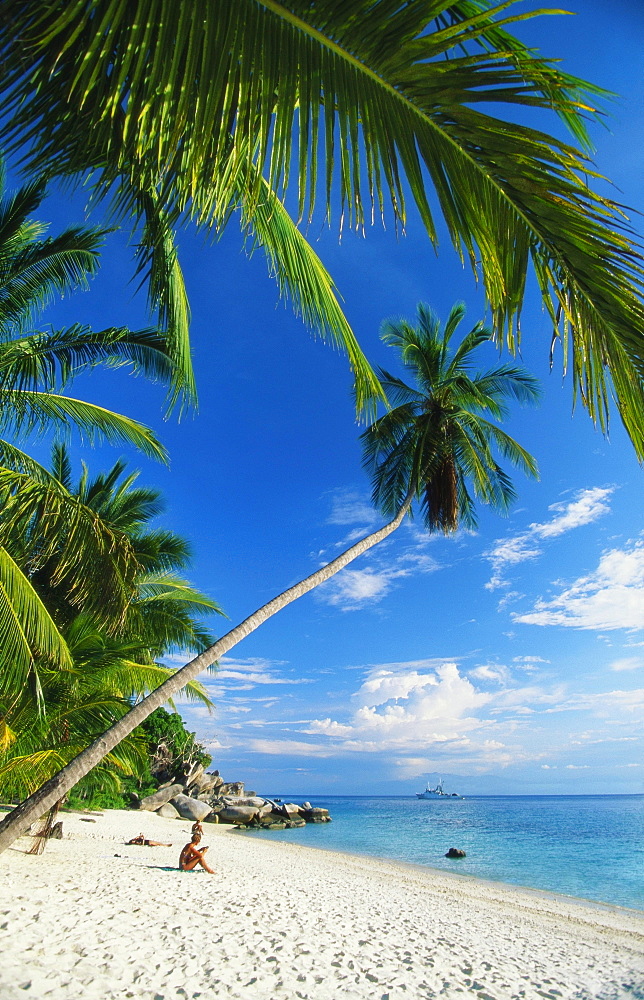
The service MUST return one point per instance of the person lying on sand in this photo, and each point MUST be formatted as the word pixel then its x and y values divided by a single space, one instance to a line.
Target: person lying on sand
pixel 190 856
pixel 140 839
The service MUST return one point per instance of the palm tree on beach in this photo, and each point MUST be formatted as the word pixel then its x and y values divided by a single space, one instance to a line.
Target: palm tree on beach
pixel 195 112
pixel 37 367
pixel 110 668
pixel 434 447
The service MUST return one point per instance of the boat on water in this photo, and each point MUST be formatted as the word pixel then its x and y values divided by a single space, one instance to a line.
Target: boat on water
pixel 437 793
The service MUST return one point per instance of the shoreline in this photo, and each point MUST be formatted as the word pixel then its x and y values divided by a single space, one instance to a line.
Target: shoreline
pixel 95 919
pixel 466 877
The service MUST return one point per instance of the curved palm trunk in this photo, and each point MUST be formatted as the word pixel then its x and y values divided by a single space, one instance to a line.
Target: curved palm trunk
pixel 20 818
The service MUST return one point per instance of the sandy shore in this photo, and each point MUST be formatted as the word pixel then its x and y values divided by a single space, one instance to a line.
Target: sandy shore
pixel 93 918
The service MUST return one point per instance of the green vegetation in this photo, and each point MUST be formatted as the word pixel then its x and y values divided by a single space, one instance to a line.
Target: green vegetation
pixel 197 112
pixel 168 745
pixel 113 662
pixel 91 598
pixel 36 367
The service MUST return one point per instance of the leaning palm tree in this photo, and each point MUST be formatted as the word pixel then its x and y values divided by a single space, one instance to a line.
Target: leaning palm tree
pixel 106 677
pixel 200 111
pixel 434 447
pixel 110 668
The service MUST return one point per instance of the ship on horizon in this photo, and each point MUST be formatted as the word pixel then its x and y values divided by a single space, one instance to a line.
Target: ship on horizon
pixel 437 793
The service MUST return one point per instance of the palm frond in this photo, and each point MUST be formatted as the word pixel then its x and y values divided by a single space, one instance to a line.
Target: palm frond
pixel 79 548
pixel 160 550
pixel 386 99
pixel 301 275
pixel 158 262
pixel 166 587
pixel 27 412
pixel 27 633
pixel 34 271
pixel 50 361
pixel 17 460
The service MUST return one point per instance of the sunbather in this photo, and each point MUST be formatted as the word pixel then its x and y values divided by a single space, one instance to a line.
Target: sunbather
pixel 140 839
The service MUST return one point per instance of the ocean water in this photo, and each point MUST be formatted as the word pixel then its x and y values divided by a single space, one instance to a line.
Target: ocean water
pixel 589 846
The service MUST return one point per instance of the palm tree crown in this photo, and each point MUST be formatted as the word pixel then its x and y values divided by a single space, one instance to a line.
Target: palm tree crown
pixel 203 110
pixel 436 443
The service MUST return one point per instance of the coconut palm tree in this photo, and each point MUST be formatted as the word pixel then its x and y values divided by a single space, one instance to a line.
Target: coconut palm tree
pixel 107 676
pixel 163 611
pixel 206 110
pixel 434 447
pixel 36 367
pixel 110 668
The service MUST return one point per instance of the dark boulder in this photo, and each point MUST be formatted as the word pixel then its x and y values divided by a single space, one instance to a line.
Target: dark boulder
pixel 238 815
pixel 316 815
pixel 153 802
pixel 455 852
pixel 189 808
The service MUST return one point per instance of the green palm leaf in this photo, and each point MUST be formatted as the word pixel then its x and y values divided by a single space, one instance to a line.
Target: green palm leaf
pixel 50 361
pixel 26 412
pixel 76 545
pixel 362 101
pixel 437 441
pixel 27 633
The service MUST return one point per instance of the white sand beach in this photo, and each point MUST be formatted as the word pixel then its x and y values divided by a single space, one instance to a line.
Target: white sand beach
pixel 93 918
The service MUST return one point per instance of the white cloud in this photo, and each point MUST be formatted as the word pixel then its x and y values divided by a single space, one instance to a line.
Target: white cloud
pixel 627 663
pixel 602 704
pixel 398 707
pixel 528 664
pixel 612 597
pixel 588 505
pixel 353 589
pixel 297 748
pixel 509 552
pixel 494 672
pixel 252 671
pixel 177 660
pixel 351 508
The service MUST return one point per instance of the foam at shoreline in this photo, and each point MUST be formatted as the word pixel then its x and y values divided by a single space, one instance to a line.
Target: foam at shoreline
pixel 95 919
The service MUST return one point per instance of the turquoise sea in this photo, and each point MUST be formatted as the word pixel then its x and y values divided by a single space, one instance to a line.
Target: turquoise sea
pixel 590 846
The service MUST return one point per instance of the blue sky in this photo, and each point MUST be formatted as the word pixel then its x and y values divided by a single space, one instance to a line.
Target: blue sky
pixel 507 660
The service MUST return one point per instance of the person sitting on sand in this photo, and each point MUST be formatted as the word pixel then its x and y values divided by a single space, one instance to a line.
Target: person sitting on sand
pixel 190 856
pixel 140 839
